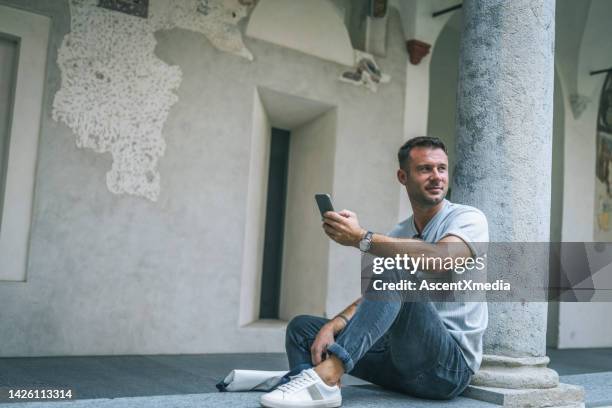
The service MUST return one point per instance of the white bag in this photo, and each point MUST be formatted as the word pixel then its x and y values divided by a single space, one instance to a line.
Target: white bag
pixel 252 380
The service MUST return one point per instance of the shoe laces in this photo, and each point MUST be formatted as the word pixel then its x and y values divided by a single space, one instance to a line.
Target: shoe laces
pixel 297 383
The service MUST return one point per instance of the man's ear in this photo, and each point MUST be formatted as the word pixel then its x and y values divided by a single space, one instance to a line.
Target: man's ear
pixel 402 177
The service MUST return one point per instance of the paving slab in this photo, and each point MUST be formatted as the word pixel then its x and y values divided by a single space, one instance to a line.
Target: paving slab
pixel 598 387
pixel 188 380
pixel 354 397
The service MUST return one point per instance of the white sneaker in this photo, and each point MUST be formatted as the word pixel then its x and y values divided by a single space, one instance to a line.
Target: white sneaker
pixel 306 389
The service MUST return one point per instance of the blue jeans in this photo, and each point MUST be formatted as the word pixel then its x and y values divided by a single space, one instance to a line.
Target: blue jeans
pixel 401 346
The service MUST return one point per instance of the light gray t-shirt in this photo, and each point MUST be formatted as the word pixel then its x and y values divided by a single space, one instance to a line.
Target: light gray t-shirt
pixel 465 321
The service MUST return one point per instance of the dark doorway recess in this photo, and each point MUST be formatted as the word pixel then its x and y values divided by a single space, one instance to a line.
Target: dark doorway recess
pixel 9 57
pixel 275 224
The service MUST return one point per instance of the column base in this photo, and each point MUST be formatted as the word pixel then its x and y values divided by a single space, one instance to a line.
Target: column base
pixel 515 372
pixel 522 382
pixel 563 395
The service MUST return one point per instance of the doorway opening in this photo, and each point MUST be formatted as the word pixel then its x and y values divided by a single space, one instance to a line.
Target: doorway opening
pixel 285 265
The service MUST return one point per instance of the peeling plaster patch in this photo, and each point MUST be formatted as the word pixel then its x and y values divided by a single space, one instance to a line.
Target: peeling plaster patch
pixel 367 73
pixel 116 94
pixel 216 19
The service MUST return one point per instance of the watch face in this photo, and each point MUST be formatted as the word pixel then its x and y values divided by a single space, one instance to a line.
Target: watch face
pixel 364 245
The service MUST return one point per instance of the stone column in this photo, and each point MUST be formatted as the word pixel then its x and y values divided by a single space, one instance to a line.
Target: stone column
pixel 504 156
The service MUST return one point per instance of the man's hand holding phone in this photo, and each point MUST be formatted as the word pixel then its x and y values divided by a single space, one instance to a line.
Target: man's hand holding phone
pixel 342 226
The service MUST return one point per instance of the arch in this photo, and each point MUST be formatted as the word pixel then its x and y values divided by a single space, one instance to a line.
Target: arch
pixel 314 27
pixel 443 77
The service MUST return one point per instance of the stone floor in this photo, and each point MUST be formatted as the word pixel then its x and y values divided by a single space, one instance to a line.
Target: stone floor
pixel 188 380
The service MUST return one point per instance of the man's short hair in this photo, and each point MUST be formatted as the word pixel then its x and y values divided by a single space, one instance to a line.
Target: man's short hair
pixel 403 153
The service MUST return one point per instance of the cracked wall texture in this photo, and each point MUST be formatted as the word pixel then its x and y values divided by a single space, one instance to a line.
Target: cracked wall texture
pixel 118 274
pixel 116 94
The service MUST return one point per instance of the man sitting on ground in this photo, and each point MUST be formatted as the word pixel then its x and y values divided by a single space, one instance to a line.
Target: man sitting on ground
pixel 428 349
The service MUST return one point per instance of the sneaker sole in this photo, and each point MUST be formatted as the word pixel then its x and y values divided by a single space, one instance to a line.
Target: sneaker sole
pixel 306 404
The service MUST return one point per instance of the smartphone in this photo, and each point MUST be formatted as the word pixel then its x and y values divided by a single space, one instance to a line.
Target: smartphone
pixel 324 202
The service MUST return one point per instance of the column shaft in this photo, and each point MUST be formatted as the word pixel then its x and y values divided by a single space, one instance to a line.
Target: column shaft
pixel 504 143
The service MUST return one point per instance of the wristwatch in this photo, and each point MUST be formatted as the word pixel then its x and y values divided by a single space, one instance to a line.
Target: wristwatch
pixel 366 242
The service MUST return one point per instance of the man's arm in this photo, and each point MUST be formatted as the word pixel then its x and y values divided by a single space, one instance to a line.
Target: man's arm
pixel 448 247
pixel 327 333
pixel 343 227
pixel 341 319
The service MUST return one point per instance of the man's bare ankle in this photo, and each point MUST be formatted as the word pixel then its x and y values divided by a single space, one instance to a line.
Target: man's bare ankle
pixel 328 379
pixel 330 371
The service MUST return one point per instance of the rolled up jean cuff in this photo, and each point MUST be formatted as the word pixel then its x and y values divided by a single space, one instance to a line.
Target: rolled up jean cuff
pixel 343 355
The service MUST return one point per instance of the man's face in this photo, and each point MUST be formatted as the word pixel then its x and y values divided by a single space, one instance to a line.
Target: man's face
pixel 426 179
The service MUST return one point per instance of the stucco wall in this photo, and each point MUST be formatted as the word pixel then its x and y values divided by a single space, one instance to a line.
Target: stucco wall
pixel 111 274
